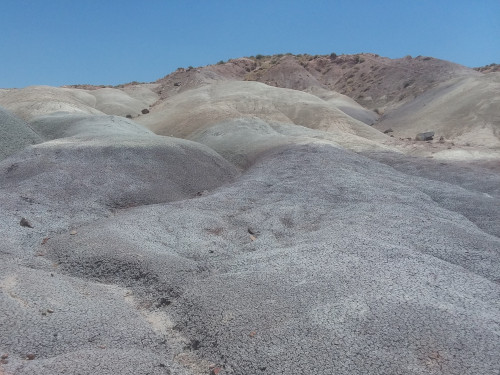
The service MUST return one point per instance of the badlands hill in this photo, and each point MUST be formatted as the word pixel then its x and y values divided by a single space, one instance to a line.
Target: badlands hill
pixel 266 215
pixel 387 93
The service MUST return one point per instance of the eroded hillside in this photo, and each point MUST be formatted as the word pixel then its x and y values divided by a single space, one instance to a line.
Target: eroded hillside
pixel 254 217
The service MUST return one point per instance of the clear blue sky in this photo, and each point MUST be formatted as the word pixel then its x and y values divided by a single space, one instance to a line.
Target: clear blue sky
pixel 57 42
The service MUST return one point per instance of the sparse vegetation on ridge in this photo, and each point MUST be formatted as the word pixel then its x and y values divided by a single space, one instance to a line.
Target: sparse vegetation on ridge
pixel 488 68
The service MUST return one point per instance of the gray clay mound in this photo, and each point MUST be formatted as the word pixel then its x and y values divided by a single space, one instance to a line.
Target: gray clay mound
pixel 316 260
pixel 35 101
pixel 15 134
pixel 121 103
pixel 68 181
pixel 242 140
pixel 479 198
pixel 345 104
pixel 79 327
pixel 62 125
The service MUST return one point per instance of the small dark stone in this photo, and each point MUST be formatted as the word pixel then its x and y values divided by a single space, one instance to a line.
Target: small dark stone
pixel 12 167
pixel 193 345
pixel 27 199
pixel 25 223
pixel 427 136
pixel 128 116
pixel 388 131
pixel 145 111
pixel 4 356
pixel 30 357
pixel 163 302
pixel 177 84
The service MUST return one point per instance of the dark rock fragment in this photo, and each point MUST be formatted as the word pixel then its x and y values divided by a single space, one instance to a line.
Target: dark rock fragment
pixel 427 136
pixel 25 223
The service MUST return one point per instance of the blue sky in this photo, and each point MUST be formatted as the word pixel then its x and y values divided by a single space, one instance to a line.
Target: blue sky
pixel 57 42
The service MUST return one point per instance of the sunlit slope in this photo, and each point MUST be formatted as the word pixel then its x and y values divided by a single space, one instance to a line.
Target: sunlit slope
pixel 465 110
pixel 192 110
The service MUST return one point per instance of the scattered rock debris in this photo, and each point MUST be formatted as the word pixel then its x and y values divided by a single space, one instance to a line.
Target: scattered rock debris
pixel 44 241
pixel 30 357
